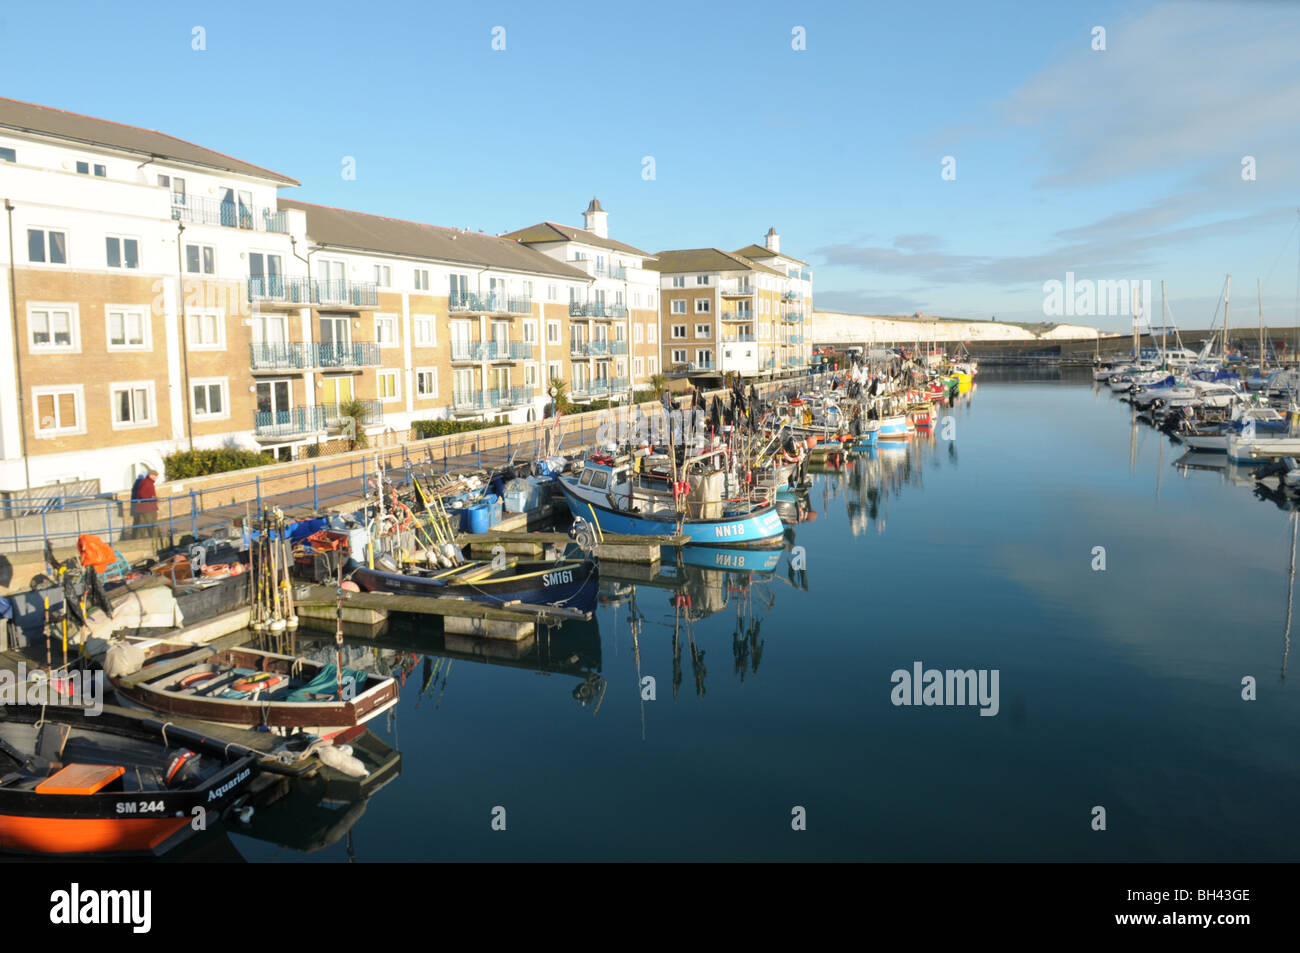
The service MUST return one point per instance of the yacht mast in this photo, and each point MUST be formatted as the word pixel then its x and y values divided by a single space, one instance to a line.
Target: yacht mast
pixel 1259 292
pixel 1227 295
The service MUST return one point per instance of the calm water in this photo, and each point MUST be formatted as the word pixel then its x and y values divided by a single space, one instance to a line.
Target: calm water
pixel 1120 688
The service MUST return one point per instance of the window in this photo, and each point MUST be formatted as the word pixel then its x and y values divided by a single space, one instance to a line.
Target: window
pixel 459 288
pixel 636 333
pixel 132 404
pixel 652 365
pixel 426 382
pixel 206 330
pixel 638 366
pixel 530 375
pixel 701 279
pixel 8 155
pixel 528 290
pixel 679 281
pixel 553 371
pixel 58 410
pixel 620 332
pixel 679 331
pixel 703 356
pixel 552 292
pixel 122 252
pixel 47 245
pixel 552 332
pixel 387 384
pixel 83 168
pixel 200 259
pixel 678 306
pixel 178 190
pixel 52 329
pixel 425 330
pixel 702 305
pixel 128 329
pixel 650 300
pixel 383 275
pixel 679 355
pixel 651 333
pixel 100 171
pixel 703 330
pixel 530 332
pixel 208 400
pixel 165 181
pixel 421 279
pixel 386 330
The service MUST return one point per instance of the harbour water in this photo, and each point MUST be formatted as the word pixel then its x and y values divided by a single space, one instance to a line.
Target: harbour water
pixel 1119 688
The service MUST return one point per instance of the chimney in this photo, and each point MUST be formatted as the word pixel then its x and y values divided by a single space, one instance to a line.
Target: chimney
pixel 596 219
pixel 773 241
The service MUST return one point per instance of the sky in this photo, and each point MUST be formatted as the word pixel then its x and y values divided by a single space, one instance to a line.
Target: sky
pixel 705 124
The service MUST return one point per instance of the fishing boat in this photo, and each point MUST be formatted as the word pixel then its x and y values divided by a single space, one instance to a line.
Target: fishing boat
pixel 894 427
pixel 566 583
pixel 619 501
pixel 255 689
pixel 1257 448
pixel 77 783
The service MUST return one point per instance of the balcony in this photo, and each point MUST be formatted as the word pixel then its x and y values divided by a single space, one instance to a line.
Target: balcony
pixel 205 211
pixel 794 317
pixel 597 270
pixel 299 291
pixel 300 421
pixel 298 356
pixel 462 351
pixel 792 296
pixel 596 309
pixel 738 339
pixel 599 387
pixel 794 339
pixel 463 301
pixel 473 402
pixel 738 316
pixel 597 348
pixel 736 289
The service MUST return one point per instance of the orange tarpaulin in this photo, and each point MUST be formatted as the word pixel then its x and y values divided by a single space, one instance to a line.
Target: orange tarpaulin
pixel 95 552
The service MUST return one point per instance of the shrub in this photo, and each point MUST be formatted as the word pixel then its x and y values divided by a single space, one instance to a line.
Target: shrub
pixel 194 463
pixel 440 428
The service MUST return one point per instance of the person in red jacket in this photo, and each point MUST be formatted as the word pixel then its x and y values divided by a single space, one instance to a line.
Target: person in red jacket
pixel 144 505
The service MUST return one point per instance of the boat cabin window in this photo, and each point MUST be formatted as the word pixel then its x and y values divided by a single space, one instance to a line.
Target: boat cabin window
pixel 600 479
pixel 585 479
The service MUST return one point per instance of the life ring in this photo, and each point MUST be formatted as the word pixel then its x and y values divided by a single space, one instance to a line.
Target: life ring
pixel 262 680
pixel 183 758
pixel 195 677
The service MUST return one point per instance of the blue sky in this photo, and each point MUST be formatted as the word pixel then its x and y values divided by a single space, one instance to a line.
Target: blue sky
pixel 1116 164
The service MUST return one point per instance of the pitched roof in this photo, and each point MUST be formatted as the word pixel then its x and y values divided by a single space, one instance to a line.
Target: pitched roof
pixel 707 259
pixel 759 251
pixel 595 205
pixel 44 120
pixel 544 232
pixel 395 236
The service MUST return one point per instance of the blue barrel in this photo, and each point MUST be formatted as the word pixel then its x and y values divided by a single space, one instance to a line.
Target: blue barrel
pixel 478 518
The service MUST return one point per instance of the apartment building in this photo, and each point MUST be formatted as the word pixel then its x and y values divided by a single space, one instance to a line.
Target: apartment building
pixel 612 325
pixel 161 296
pixel 728 312
pixel 125 320
pixel 459 323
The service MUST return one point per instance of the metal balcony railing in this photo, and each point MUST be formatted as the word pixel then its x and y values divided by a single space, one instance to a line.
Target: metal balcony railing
pixel 599 386
pixel 738 339
pixel 297 421
pixel 489 303
pixel 596 309
pixel 296 355
pixel 738 316
pixel 491 351
pixel 206 211
pixel 597 348
pixel 737 290
pixel 794 317
pixel 293 290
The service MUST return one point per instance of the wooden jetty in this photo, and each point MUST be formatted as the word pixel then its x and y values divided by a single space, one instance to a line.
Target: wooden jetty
pixel 612 547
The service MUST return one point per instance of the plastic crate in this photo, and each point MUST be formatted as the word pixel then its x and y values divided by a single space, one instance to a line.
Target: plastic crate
pixel 117 569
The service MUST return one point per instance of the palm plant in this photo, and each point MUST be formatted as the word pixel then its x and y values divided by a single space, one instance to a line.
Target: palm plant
pixel 352 417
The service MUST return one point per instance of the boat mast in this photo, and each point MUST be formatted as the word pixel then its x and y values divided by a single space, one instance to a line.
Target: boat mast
pixel 1227 296
pixel 1164 325
pixel 1259 293
pixel 1137 296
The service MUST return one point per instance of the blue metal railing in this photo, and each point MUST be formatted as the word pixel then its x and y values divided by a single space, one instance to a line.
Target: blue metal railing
pixel 738 316
pixel 295 290
pixel 489 303
pixel 596 309
pixel 739 339
pixel 205 211
pixel 793 317
pixel 293 355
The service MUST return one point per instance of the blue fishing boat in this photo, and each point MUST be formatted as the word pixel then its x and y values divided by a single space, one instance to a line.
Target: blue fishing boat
pixel 612 497
pixel 568 583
